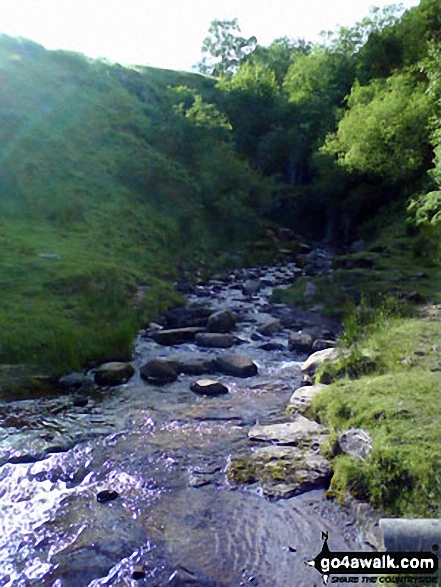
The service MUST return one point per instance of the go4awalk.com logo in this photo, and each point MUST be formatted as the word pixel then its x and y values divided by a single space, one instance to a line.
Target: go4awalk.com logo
pixel 376 567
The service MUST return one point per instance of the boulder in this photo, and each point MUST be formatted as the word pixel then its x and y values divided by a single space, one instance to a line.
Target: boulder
pixel 356 442
pixel 272 346
pixel 199 366
pixel 159 371
pixel 300 341
pixel 294 432
pixel 270 327
pixel 176 335
pixel 282 471
pixel 195 314
pixel 113 373
pixel 208 387
pixel 302 398
pixel 221 321
pixel 314 361
pixel 236 365
pixel 215 340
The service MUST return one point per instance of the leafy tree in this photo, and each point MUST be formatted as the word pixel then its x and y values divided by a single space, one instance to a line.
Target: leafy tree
pixel 385 130
pixel 225 48
pixel 279 55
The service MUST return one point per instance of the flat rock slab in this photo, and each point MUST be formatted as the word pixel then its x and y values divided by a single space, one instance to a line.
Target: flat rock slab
pixel 236 365
pixel 292 432
pixel 215 340
pixel 282 471
pixel 302 398
pixel 113 373
pixel 176 335
pixel 208 387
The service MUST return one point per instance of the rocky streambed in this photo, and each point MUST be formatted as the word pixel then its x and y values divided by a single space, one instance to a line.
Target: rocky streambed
pixel 170 470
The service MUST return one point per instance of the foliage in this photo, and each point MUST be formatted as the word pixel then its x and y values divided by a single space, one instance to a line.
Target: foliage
pixel 225 49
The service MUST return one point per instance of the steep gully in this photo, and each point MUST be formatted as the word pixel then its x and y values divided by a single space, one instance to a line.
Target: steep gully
pixel 162 451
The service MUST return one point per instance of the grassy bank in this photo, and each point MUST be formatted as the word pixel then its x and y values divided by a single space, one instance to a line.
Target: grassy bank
pixel 389 383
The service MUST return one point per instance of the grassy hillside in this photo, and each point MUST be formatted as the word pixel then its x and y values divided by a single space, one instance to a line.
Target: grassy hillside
pixel 110 180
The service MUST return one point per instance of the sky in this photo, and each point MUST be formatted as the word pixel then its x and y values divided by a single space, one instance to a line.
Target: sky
pixel 169 33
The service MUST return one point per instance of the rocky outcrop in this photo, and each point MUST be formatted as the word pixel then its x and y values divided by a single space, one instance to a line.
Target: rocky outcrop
pixel 208 387
pixel 113 373
pixel 236 365
pixel 160 371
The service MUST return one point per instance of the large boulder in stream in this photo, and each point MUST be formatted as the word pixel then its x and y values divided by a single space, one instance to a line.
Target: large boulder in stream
pixel 302 398
pixel 221 321
pixel 176 335
pixel 160 371
pixel 236 365
pixel 113 373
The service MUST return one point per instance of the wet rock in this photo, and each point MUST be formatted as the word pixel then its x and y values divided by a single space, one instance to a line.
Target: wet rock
pixel 314 361
pixel 74 381
pixel 272 346
pixel 299 429
pixel 176 335
pixel 80 401
pixel 215 340
pixel 300 341
pixel 113 373
pixel 302 398
pixel 251 287
pixel 321 344
pixel 208 387
pixel 159 371
pixel 236 365
pixel 270 327
pixel 221 321
pixel 356 442
pixel 138 572
pixel 197 366
pixel 282 471
pixel 106 496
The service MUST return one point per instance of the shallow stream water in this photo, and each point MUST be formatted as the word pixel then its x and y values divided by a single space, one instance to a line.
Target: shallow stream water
pixel 164 450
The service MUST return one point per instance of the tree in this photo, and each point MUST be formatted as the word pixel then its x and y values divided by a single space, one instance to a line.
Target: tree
pixel 225 48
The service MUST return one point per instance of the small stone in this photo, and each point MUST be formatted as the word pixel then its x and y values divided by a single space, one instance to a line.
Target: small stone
pixel 138 573
pixel 356 442
pixel 208 387
pixel 106 496
pixel 272 346
pixel 221 321
pixel 270 327
pixel 300 341
pixel 175 335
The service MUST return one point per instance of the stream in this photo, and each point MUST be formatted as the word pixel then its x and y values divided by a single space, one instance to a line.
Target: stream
pixel 175 519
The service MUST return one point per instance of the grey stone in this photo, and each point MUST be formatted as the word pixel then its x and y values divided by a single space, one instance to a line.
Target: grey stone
pixel 251 287
pixel 300 341
pixel 313 362
pixel 159 371
pixel 113 373
pixel 208 387
pixel 215 340
pixel 321 344
pixel 221 321
pixel 270 327
pixel 294 432
pixel 302 398
pixel 356 442
pixel 236 365
pixel 176 335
